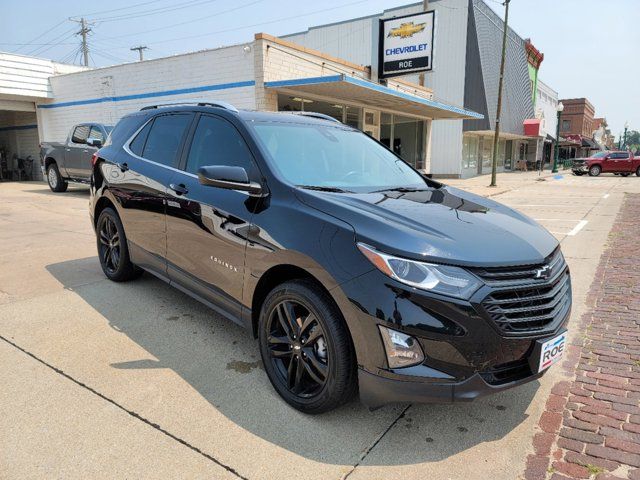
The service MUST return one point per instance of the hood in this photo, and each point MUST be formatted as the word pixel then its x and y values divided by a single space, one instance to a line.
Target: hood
pixel 444 225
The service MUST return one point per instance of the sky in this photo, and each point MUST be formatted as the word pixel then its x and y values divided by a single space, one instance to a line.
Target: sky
pixel 591 47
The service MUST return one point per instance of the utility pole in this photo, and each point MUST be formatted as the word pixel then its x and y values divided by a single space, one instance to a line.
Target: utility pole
pixel 425 7
pixel 494 165
pixel 84 30
pixel 140 48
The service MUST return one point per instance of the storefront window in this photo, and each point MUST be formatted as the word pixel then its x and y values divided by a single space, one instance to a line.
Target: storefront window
pixel 470 152
pixel 404 135
pixel 487 146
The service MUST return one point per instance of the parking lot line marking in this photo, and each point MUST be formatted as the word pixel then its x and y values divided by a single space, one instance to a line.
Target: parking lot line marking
pixel 578 227
pixel 556 219
pixel 606 195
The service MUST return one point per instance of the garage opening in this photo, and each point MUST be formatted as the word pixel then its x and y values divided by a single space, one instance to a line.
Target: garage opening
pixel 19 146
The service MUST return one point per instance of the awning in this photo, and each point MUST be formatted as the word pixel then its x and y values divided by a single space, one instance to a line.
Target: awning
pixel 350 89
pixel 587 142
pixel 532 127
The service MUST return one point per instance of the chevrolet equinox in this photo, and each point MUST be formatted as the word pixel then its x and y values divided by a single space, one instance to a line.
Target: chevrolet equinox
pixel 354 271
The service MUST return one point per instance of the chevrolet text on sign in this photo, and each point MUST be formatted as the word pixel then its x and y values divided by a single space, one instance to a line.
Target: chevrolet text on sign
pixel 406 44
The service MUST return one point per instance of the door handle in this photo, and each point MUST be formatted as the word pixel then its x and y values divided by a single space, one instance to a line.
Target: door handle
pixel 179 189
pixel 122 166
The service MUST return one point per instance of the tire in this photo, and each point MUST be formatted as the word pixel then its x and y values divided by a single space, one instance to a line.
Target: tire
pixel 578 174
pixel 55 180
pixel 321 349
pixel 113 251
pixel 595 171
pixel 625 174
pixel 638 172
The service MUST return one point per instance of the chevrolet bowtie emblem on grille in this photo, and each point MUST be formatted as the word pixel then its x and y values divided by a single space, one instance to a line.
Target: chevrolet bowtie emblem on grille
pixel 543 272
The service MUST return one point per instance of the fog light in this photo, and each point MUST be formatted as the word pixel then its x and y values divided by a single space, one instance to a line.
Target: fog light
pixel 402 350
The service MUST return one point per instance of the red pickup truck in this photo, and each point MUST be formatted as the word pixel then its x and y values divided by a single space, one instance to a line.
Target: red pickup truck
pixel 618 162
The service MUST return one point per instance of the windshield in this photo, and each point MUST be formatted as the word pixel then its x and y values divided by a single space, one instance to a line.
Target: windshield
pixel 599 155
pixel 333 157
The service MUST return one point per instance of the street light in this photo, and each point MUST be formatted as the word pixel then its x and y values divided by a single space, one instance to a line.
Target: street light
pixel 626 127
pixel 559 108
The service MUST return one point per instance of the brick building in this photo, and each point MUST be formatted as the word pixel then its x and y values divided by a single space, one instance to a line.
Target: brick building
pixel 576 127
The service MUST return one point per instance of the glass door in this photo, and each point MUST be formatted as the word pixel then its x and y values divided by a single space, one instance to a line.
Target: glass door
pixel 371 123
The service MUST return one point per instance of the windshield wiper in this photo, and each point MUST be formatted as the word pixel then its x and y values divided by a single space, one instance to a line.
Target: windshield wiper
pixel 320 188
pixel 401 189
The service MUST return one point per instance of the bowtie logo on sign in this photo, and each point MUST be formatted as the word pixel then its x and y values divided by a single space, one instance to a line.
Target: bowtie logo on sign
pixel 406 44
pixel 406 30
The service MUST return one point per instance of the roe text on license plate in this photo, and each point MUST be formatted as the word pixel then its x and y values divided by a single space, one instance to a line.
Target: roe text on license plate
pixel 552 351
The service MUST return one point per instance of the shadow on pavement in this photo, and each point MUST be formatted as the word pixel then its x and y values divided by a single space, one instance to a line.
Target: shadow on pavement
pixel 79 191
pixel 221 362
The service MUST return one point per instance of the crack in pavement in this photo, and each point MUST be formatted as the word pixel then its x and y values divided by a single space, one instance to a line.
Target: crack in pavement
pixel 129 412
pixel 373 445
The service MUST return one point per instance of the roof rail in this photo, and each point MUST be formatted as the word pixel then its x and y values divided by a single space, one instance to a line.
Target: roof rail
pixel 321 116
pixel 219 104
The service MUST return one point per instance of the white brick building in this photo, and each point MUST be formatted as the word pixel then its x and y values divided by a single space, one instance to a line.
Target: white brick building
pixel 41 100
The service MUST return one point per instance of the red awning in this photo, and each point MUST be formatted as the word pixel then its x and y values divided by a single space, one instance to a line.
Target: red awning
pixel 532 127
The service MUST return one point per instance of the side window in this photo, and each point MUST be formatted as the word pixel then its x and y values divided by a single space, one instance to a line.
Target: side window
pixel 217 142
pixel 96 133
pixel 80 134
pixel 137 145
pixel 164 138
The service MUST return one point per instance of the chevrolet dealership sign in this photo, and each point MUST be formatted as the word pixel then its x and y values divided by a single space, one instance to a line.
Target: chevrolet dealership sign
pixel 406 44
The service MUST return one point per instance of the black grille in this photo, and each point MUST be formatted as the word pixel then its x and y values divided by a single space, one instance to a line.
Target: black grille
pixel 531 308
pixel 510 276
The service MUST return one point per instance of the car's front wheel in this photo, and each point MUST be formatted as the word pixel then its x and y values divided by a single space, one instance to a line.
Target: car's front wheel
pixel 55 180
pixel 306 347
pixel 113 250
pixel 595 171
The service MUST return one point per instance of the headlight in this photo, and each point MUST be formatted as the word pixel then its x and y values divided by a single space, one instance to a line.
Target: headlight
pixel 402 350
pixel 444 279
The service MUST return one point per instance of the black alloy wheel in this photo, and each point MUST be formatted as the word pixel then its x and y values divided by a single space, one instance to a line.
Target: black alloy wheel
pixel 113 251
pixel 109 245
pixel 297 348
pixel 306 348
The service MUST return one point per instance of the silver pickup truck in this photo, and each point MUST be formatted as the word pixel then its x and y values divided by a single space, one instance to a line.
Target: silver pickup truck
pixel 70 161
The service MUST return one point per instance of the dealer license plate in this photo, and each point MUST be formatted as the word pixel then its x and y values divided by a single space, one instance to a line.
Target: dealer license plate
pixel 551 351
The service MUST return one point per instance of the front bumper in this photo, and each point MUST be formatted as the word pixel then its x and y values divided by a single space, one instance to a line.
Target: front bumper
pixel 467 353
pixel 376 391
pixel 580 168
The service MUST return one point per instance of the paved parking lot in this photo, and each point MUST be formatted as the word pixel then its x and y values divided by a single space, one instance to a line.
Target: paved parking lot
pixel 138 380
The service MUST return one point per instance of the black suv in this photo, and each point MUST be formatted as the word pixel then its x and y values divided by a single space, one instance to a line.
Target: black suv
pixel 352 269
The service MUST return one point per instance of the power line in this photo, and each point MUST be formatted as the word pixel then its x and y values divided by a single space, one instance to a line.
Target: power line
pixel 41 35
pixel 192 21
pixel 154 11
pixel 56 41
pixel 121 8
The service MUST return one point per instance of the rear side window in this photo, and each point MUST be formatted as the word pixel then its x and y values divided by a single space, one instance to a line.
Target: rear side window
pixel 96 133
pixel 217 142
pixel 137 145
pixel 165 137
pixel 124 129
pixel 80 134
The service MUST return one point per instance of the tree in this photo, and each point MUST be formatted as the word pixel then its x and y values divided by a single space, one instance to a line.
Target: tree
pixel 633 140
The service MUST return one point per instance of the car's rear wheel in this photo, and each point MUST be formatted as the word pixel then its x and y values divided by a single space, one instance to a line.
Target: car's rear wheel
pixel 55 180
pixel 595 171
pixel 113 250
pixel 638 171
pixel 306 348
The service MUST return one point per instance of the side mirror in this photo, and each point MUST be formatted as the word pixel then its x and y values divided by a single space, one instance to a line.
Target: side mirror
pixel 230 178
pixel 94 142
